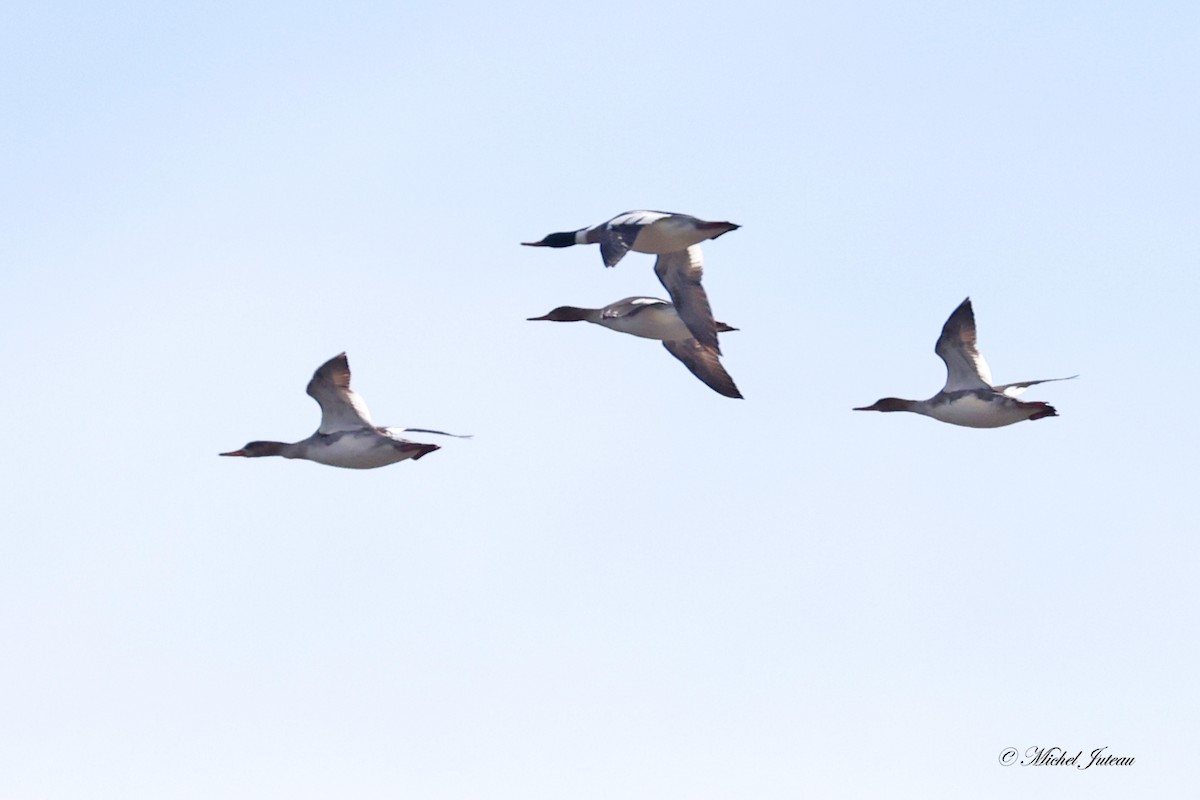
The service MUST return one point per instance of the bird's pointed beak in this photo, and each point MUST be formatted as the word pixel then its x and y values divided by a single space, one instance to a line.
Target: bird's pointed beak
pixel 866 408
pixel 233 453
pixel 534 244
pixel 535 319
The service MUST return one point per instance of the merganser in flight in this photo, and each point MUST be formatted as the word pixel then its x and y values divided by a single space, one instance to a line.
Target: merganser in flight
pixel 347 437
pixel 652 318
pixel 969 398
pixel 655 232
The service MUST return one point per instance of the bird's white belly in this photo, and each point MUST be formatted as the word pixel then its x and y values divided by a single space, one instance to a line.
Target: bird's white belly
pixel 367 450
pixel 651 323
pixel 973 412
pixel 668 236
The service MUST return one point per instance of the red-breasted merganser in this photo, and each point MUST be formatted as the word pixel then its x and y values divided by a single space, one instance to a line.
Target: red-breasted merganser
pixel 655 232
pixel 347 437
pixel 969 398
pixel 652 318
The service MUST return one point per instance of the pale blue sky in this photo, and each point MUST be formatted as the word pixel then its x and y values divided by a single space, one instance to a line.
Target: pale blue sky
pixel 626 586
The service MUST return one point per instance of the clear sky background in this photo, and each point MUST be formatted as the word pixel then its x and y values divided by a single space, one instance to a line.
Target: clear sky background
pixel 625 586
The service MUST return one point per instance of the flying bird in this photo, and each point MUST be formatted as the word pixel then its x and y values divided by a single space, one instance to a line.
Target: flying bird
pixel 969 398
pixel 652 318
pixel 654 232
pixel 347 437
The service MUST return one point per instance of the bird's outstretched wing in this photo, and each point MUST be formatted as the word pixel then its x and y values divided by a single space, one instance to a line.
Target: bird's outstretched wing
pixel 680 272
pixel 1015 389
pixel 965 367
pixel 341 408
pixel 704 364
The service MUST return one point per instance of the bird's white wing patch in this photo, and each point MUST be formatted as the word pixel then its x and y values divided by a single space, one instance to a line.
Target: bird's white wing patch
pixel 638 218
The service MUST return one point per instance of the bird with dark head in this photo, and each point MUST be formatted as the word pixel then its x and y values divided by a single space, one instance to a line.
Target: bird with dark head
pixel 346 437
pixel 652 318
pixel 655 232
pixel 969 397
